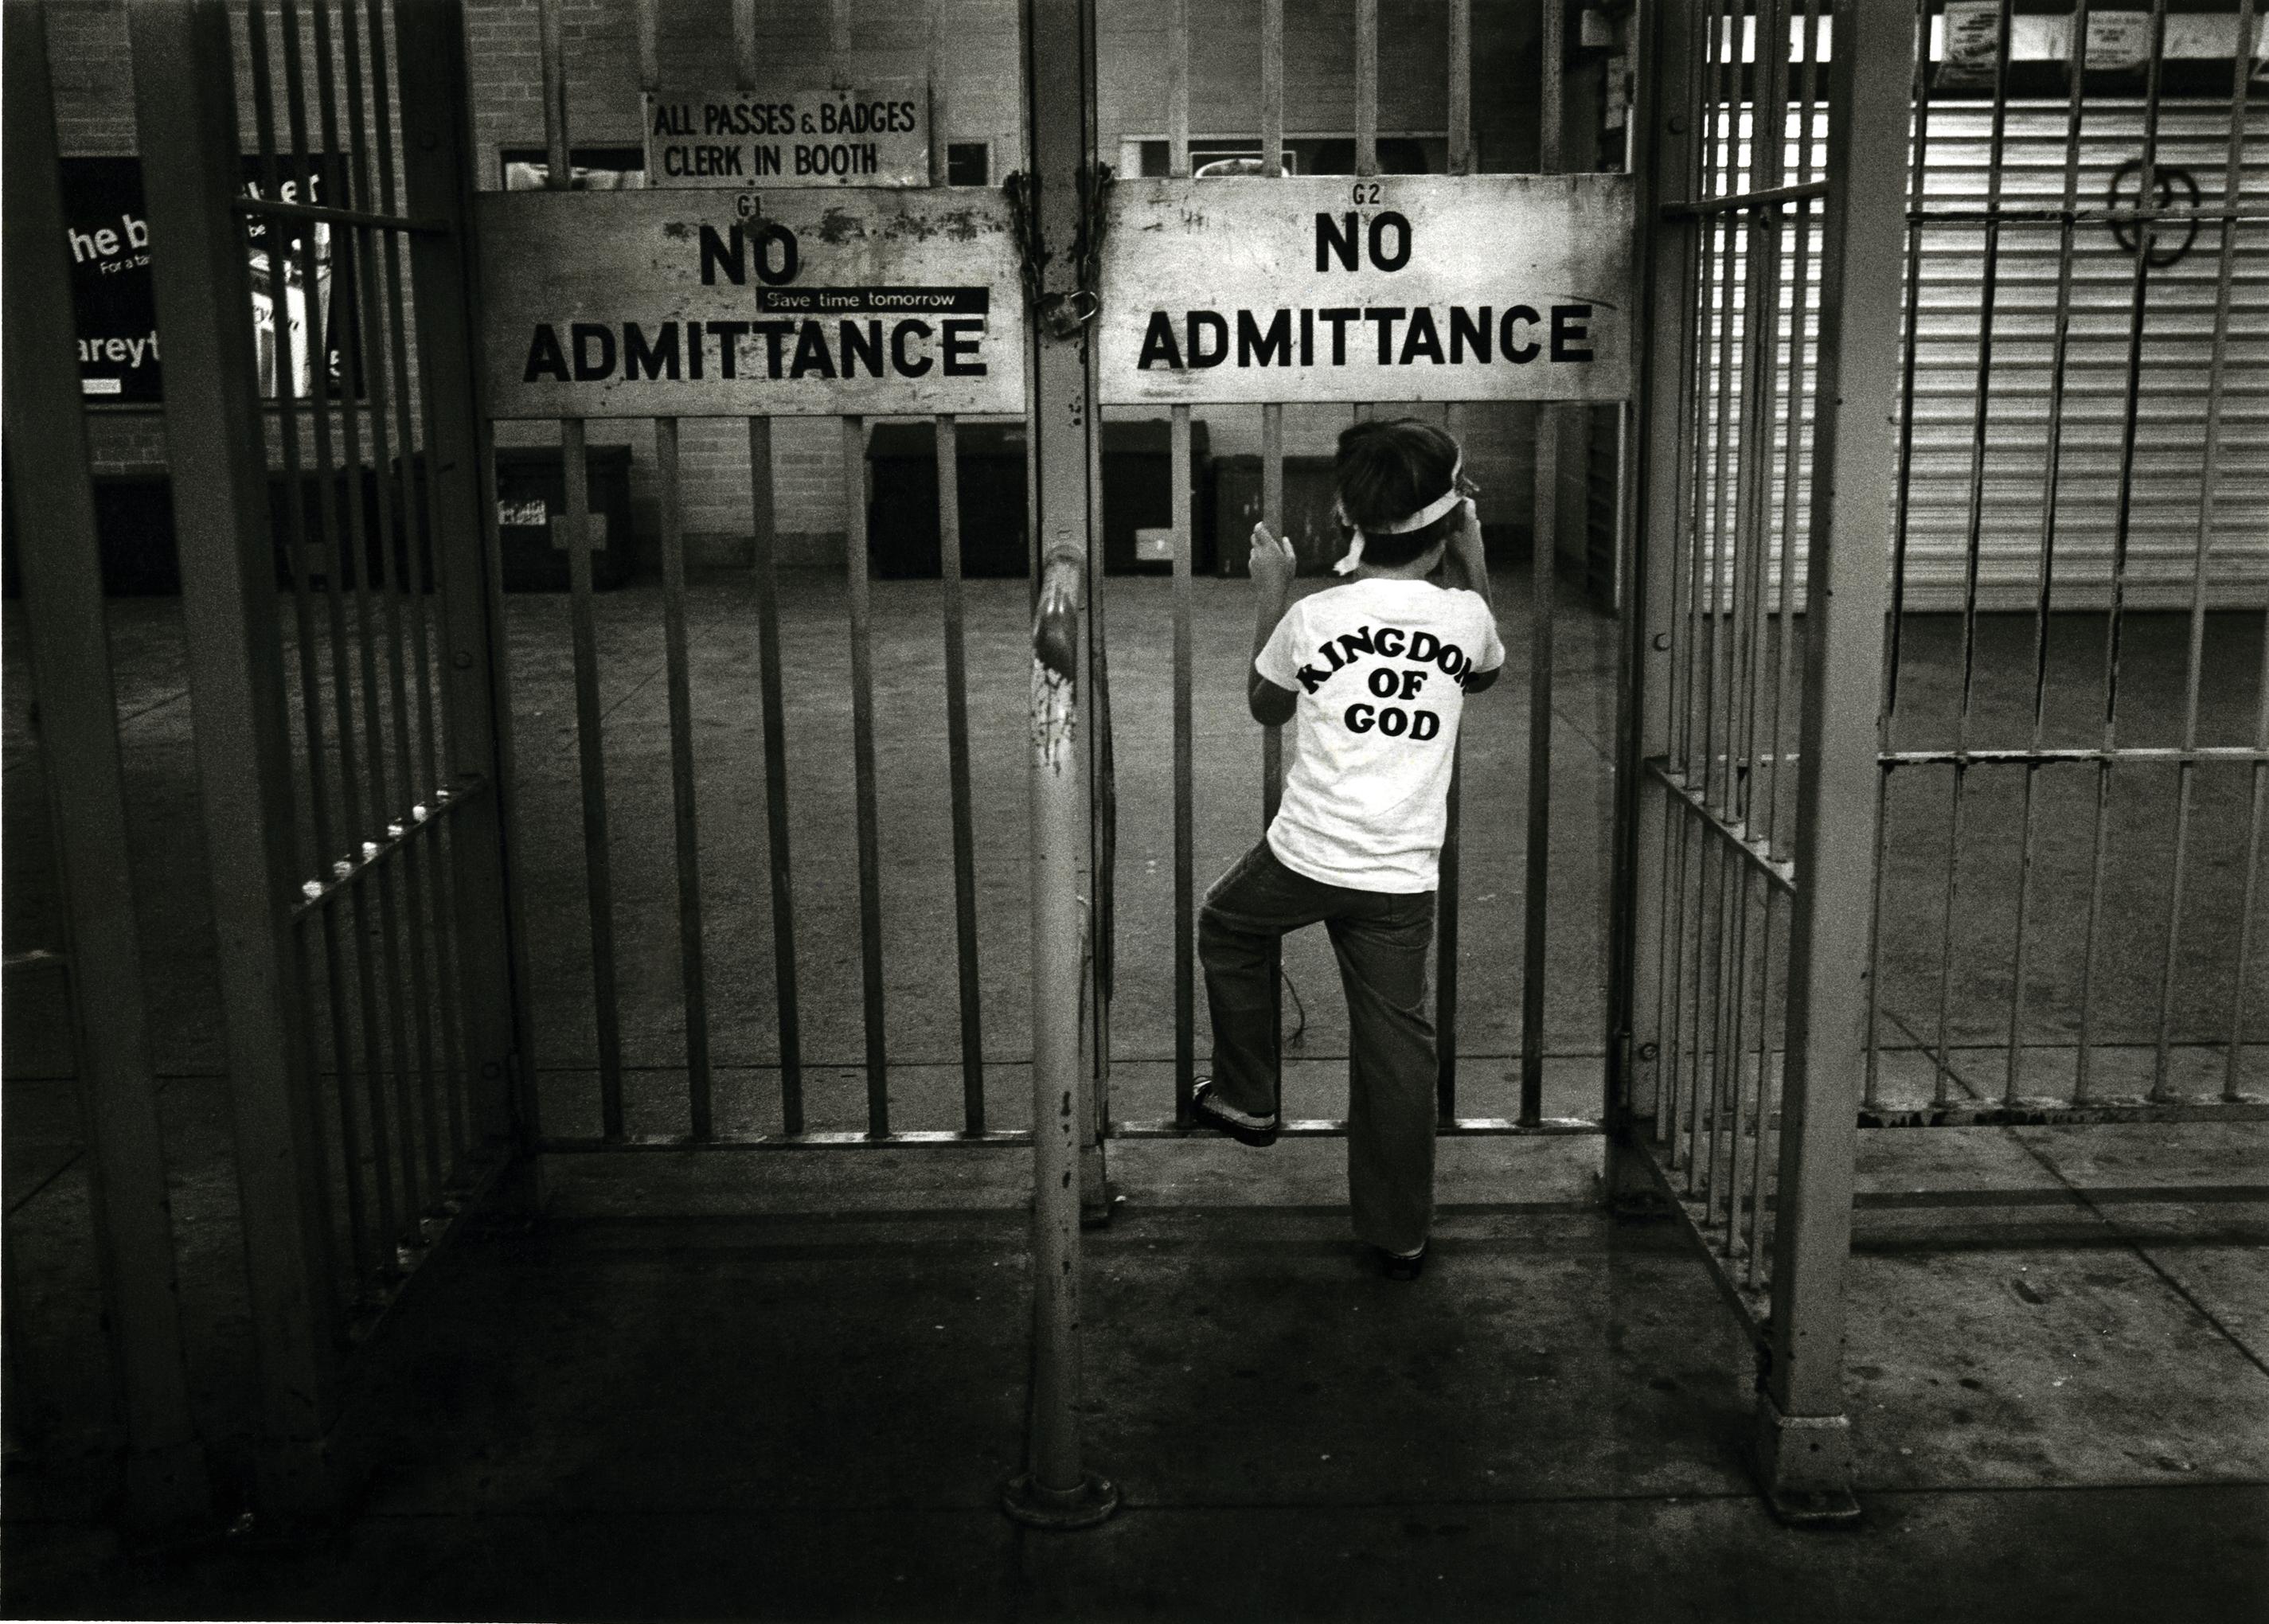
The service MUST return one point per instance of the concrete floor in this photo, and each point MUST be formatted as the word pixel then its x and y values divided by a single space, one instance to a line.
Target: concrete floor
pixel 788 1386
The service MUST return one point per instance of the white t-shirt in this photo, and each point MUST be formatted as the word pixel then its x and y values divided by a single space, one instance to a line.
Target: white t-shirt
pixel 1377 666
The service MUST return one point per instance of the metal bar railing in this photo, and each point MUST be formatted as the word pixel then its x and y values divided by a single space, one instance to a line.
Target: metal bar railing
pixel 2122 533
pixel 2209 480
pixel 1449 890
pixel 418 545
pixel 764 569
pixel 338 539
pixel 700 1107
pixel 1974 538
pixel 957 733
pixel 2060 351
pixel 385 709
pixel 363 1246
pixel 185 116
pixel 590 745
pixel 1544 549
pixel 1919 149
pixel 862 759
pixel 1184 773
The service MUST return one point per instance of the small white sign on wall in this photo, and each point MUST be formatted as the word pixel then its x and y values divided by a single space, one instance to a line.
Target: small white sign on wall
pixel 1401 288
pixel 875 133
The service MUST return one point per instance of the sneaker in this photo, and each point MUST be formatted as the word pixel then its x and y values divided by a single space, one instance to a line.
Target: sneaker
pixel 1401 1266
pixel 1213 1113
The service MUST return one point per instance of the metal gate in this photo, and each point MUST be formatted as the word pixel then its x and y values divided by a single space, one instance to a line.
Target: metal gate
pixel 313 296
pixel 594 1090
pixel 1844 881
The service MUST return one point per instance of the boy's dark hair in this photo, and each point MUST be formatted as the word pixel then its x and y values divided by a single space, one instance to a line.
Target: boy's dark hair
pixel 1386 471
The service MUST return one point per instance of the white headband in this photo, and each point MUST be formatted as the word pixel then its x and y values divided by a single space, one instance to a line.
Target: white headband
pixel 1426 515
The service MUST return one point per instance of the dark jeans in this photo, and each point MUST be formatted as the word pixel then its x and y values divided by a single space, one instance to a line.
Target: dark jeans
pixel 1380 937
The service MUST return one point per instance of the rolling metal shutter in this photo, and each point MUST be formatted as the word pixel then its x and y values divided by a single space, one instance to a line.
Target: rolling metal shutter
pixel 2170 454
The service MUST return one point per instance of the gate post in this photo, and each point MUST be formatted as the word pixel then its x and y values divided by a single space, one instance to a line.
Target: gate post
pixel 185 114
pixel 167 1481
pixel 1803 1439
pixel 436 174
pixel 1055 1490
pixel 1670 88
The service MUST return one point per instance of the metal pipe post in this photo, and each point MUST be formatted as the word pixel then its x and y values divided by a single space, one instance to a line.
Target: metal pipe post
pixel 1055 1490
pixel 166 1483
pixel 1803 1453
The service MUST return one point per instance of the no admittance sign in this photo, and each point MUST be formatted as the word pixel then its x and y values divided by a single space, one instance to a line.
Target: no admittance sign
pixel 1401 288
pixel 790 302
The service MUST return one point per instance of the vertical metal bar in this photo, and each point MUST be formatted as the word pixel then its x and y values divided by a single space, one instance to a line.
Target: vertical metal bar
pixel 1461 87
pixel 763 531
pixel 598 880
pixel 1178 165
pixel 1919 150
pixel 1803 1435
pixel 390 381
pixel 956 734
pixel 838 31
pixel 1366 87
pixel 2044 589
pixel 1544 547
pixel 362 1244
pixel 1178 89
pixel 1272 87
pixel 551 45
pixel 1794 461
pixel 1973 546
pixel 52 501
pixel 1663 119
pixel 339 548
pixel 2121 535
pixel 2209 480
pixel 1272 739
pixel 1272 415
pixel 486 929
pixel 765 569
pixel 1448 890
pixel 1184 776
pixel 1757 1157
pixel 2232 1074
pixel 745 64
pixel 1060 83
pixel 684 815
pixel 649 40
pixel 350 254
pixel 2232 1065
pixel 862 761
pixel 185 112
pixel 1446 953
pixel 1102 785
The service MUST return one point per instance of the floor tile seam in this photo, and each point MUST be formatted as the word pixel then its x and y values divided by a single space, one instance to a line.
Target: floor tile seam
pixel 2132 1243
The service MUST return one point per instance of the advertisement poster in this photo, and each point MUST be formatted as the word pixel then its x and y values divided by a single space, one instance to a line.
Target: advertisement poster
pixel 107 231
